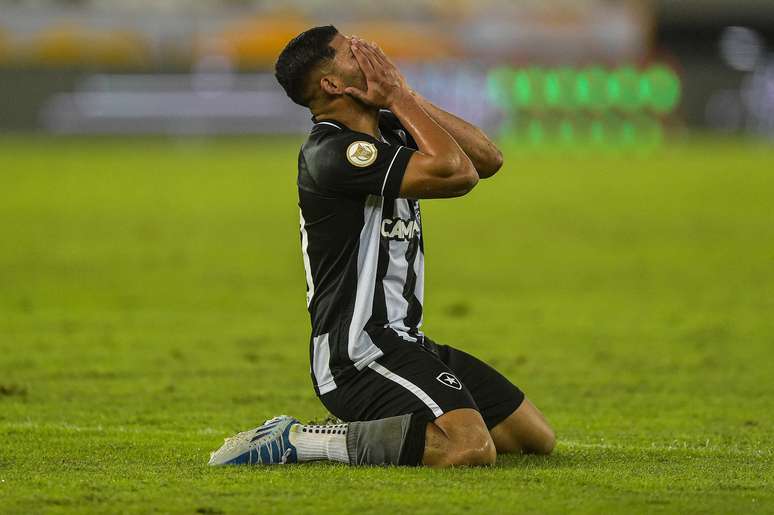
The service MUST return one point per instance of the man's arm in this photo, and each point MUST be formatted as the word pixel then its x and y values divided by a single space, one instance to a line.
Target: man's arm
pixel 440 168
pixel 486 157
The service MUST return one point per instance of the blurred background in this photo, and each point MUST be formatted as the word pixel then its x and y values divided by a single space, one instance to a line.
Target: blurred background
pixel 581 74
pixel 620 267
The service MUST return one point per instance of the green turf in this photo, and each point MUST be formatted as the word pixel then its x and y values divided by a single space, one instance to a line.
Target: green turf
pixel 152 303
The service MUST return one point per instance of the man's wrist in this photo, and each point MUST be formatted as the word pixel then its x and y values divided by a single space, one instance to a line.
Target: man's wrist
pixel 400 98
pixel 424 103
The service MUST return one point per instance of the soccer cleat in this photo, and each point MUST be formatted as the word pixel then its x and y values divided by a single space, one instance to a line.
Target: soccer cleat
pixel 268 444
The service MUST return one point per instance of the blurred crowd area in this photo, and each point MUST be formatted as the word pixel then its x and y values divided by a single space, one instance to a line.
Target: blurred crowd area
pixel 144 34
pixel 573 73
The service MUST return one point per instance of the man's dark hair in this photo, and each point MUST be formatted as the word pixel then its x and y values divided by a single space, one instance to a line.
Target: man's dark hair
pixel 302 55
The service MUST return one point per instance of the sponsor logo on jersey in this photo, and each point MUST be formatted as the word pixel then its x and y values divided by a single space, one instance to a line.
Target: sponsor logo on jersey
pixel 399 229
pixel 361 153
pixel 447 379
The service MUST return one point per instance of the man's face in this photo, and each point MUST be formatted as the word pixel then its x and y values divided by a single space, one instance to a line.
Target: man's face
pixel 344 64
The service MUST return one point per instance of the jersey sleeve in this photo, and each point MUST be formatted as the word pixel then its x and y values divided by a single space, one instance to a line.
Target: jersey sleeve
pixel 389 121
pixel 356 164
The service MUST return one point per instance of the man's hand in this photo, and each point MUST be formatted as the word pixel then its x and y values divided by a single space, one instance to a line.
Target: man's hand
pixel 384 83
pixel 384 59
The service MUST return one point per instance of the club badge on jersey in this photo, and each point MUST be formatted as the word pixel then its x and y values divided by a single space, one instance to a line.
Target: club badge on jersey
pixel 361 153
pixel 447 379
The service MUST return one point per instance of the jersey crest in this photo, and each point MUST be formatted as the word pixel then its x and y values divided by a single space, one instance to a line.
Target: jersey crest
pixel 361 153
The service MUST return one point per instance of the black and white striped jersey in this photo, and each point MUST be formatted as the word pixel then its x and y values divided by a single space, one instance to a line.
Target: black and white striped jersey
pixel 362 247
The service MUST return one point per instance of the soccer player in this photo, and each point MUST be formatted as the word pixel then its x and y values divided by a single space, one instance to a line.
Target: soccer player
pixel 375 149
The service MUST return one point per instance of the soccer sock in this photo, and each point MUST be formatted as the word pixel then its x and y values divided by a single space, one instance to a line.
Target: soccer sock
pixel 389 441
pixel 327 442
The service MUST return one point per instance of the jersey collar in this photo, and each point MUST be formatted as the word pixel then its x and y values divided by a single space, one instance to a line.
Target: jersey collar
pixel 333 123
pixel 341 126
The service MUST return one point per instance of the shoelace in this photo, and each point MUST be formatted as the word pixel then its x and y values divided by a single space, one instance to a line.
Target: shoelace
pixel 284 452
pixel 243 438
pixel 285 456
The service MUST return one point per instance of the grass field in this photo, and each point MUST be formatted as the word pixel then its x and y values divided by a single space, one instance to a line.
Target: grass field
pixel 152 303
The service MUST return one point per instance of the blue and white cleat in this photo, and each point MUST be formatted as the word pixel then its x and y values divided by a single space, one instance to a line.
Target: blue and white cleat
pixel 268 444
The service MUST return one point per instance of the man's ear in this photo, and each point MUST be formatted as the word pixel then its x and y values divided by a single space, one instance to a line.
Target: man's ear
pixel 331 85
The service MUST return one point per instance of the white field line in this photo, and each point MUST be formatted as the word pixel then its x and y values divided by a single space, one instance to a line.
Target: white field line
pixel 101 429
pixel 571 444
pixel 672 447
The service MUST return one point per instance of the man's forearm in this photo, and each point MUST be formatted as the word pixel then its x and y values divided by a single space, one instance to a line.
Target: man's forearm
pixel 429 135
pixel 486 157
pixel 443 168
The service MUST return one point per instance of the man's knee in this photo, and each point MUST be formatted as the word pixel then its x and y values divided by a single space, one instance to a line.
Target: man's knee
pixel 545 443
pixel 466 439
pixel 525 430
pixel 542 440
pixel 473 453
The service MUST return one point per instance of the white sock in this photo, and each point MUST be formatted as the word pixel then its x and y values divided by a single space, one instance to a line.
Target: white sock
pixel 327 442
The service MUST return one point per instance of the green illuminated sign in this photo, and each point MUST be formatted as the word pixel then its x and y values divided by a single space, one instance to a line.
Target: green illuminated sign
pixel 586 108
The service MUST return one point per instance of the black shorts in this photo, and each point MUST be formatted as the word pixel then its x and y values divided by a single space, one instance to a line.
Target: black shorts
pixel 429 378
